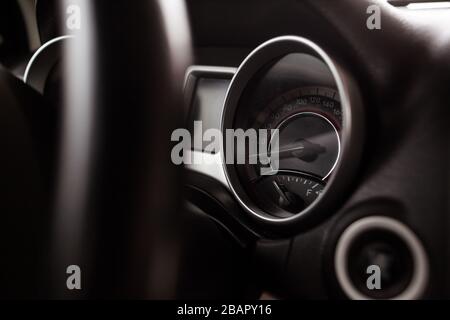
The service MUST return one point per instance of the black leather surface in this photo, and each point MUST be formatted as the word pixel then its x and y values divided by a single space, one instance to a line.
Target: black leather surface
pixel 24 201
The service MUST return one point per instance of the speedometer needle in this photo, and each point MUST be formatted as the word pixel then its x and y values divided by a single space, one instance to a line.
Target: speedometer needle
pixel 288 200
pixel 301 149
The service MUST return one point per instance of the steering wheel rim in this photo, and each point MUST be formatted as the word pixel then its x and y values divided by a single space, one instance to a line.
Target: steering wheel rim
pixel 104 215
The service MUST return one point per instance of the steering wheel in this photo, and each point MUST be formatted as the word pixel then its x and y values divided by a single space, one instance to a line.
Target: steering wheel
pixel 105 199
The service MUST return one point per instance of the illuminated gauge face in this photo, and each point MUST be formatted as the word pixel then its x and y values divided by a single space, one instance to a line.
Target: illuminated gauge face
pixel 309 143
pixel 308 121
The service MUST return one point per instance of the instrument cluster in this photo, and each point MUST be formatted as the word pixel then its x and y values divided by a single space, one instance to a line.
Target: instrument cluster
pixel 291 88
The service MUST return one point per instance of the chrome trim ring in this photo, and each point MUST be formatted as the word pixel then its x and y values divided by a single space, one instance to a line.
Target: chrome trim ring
pixel 42 61
pixel 420 276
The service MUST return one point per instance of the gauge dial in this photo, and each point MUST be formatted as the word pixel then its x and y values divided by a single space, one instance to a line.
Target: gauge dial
pixel 309 122
pixel 309 143
pixel 321 100
pixel 290 191
pixel 289 88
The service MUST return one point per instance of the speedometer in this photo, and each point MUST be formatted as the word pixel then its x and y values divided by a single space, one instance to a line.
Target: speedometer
pixel 308 121
pixel 291 91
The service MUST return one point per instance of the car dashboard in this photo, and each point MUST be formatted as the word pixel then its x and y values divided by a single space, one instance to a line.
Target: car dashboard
pixel 340 112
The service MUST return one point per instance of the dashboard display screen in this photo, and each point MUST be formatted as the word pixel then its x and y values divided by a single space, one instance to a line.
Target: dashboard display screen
pixel 207 105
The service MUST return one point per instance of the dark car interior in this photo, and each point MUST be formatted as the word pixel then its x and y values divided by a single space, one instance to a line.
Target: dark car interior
pixel 353 97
